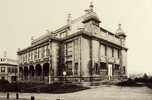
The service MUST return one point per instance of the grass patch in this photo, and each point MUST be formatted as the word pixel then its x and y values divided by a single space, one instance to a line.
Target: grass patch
pixel 41 88
pixel 149 85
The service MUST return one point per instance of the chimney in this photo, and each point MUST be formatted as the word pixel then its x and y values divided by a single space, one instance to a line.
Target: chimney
pixel 32 38
pixel 91 7
pixel 5 53
pixel 18 49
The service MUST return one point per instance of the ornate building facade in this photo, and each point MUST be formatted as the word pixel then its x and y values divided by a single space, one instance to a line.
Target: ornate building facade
pixel 82 49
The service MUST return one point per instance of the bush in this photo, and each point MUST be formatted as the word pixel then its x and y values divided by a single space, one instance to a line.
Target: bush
pixel 3 81
pixel 129 82
pixel 144 80
pixel 57 87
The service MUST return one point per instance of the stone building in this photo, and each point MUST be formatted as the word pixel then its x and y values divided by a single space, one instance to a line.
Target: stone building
pixel 81 48
pixel 8 69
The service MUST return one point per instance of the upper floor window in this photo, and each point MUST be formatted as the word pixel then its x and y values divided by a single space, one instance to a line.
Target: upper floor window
pixel 9 70
pixel 47 51
pixel 42 52
pixel 15 70
pixel 109 52
pixel 38 53
pixel 3 59
pixel 69 48
pixel 31 55
pixel 95 30
pixel 61 35
pixel 102 50
pixel 2 69
pixel 26 57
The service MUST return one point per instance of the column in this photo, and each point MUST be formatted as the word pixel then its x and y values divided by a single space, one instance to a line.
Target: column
pixel 42 74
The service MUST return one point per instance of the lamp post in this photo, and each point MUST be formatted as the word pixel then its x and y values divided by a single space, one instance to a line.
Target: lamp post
pixel 15 79
pixel 64 74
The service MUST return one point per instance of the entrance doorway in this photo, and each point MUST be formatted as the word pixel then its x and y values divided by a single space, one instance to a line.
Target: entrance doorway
pixel 109 71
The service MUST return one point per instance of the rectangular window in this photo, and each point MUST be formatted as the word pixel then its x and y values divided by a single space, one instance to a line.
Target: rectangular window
pixel 8 70
pixel 76 49
pixel 103 66
pixel 31 55
pixel 25 57
pixel 102 50
pixel 116 53
pixel 15 70
pixel 47 51
pixel 109 51
pixel 61 35
pixel 69 48
pixel 76 69
pixel 2 69
pixel 69 67
pixel 12 70
pixel 40 50
pixel 35 54
pixel 124 70
pixel 38 53
pixel 96 69
pixel 112 52
pixel 117 67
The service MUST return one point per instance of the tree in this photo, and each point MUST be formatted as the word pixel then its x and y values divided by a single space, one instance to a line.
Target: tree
pixel 145 76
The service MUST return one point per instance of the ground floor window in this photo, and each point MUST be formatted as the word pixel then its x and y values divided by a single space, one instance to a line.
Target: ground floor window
pixel 96 69
pixel 76 69
pixel 124 70
pixel 3 78
pixel 103 66
pixel 117 67
pixel 69 67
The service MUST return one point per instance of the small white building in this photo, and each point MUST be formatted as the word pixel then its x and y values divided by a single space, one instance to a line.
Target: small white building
pixel 8 69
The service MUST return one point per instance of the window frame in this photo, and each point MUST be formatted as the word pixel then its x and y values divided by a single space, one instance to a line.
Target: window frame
pixel 101 67
pixel 2 69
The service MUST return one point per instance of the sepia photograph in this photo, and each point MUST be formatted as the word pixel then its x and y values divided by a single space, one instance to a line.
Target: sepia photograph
pixel 75 50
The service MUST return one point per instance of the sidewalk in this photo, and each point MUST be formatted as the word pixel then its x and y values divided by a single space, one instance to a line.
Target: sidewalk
pixel 13 99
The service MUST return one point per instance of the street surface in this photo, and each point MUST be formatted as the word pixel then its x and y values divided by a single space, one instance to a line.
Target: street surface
pixel 102 92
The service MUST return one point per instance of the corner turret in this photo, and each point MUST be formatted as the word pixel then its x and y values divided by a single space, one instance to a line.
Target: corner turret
pixel 121 34
pixel 91 21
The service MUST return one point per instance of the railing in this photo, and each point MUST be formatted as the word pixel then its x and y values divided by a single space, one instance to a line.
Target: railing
pixel 17 97
pixel 110 37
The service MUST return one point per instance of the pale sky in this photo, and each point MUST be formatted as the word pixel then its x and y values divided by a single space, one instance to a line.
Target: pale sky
pixel 21 19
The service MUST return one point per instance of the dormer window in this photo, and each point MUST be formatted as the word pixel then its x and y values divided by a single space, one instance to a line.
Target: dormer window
pixel 95 30
pixel 95 23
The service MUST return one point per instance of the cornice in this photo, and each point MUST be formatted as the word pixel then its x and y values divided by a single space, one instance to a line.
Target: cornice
pixel 83 33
